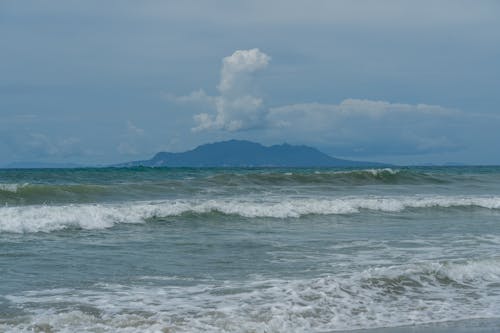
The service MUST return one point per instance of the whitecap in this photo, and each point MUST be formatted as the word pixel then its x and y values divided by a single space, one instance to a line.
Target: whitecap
pixel 410 294
pixel 46 218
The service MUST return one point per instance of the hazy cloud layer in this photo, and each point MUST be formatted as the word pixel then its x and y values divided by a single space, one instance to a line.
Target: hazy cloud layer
pixel 365 127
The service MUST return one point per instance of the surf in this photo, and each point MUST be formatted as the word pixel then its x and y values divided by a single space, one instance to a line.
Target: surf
pixel 47 218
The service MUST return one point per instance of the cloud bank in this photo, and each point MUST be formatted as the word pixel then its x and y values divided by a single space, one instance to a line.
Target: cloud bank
pixel 353 127
pixel 360 126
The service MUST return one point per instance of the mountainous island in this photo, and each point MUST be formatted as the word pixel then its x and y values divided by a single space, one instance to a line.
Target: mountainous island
pixel 240 153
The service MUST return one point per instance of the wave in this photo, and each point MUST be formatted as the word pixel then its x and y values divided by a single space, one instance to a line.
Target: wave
pixel 30 194
pixel 107 188
pixel 45 218
pixel 400 295
pixel 328 177
pixel 25 193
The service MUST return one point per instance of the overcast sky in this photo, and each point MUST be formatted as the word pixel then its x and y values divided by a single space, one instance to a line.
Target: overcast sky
pixel 111 81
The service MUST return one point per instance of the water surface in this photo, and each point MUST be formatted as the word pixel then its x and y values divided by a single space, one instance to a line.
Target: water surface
pixel 249 250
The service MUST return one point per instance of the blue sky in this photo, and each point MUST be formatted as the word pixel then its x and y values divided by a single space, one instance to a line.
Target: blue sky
pixel 111 81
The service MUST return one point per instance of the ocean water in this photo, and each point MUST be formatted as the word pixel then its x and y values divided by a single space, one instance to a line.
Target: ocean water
pixel 250 250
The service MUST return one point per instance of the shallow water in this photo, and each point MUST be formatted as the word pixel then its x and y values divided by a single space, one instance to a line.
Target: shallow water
pixel 248 250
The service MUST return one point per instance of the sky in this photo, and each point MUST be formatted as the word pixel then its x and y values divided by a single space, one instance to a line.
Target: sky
pixel 98 82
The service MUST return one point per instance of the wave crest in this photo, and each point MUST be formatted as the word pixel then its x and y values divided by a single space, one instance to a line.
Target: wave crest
pixel 99 216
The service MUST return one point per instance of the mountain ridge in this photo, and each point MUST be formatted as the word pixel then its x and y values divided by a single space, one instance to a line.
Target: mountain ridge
pixel 243 153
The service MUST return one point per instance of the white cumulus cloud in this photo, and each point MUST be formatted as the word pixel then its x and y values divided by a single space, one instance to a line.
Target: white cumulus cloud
pixel 236 108
pixel 236 67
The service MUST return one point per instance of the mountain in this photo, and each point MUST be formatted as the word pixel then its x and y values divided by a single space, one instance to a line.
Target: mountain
pixel 238 153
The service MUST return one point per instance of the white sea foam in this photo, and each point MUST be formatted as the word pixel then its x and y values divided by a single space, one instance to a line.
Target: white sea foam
pixel 388 170
pixel 390 296
pixel 373 172
pixel 11 187
pixel 45 218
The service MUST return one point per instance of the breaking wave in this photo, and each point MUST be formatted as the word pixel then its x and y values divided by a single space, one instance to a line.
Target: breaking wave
pixel 46 218
pixel 399 295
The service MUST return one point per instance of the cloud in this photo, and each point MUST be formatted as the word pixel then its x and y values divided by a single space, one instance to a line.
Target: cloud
pixel 236 108
pixel 325 114
pixel 353 127
pixel 237 66
pixel 233 114
pixel 398 126
pixel 360 126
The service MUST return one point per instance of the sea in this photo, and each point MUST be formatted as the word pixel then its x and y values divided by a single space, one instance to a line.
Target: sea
pixel 250 250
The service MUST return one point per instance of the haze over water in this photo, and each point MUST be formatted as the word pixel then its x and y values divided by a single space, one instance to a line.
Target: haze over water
pixel 248 250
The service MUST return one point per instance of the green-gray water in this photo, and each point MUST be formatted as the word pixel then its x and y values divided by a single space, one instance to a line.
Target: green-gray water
pixel 248 250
